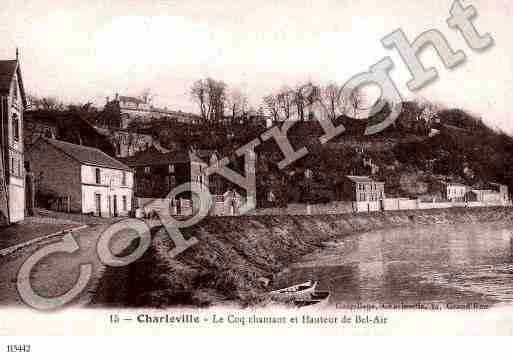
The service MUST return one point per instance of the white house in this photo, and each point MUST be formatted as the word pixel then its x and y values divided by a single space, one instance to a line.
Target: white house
pixel 12 169
pixel 87 179
pixel 453 191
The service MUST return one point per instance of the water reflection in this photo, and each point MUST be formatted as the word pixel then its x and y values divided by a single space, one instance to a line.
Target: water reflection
pixel 443 263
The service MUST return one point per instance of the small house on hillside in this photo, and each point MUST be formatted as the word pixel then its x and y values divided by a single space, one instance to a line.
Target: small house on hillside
pixel 483 195
pixel 453 191
pixel 361 189
pixel 502 189
pixel 84 178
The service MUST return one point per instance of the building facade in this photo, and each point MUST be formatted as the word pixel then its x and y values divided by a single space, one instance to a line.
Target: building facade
pixel 157 174
pixel 361 189
pixel 12 173
pixel 453 191
pixel 483 195
pixel 123 110
pixel 502 189
pixel 86 179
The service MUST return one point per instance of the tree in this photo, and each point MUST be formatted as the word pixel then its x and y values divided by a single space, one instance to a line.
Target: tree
pixel 312 96
pixel 147 95
pixel 299 102
pixel 211 98
pixel 199 95
pixel 331 101
pixel 238 104
pixel 355 102
pixel 285 101
pixel 45 103
pixel 273 107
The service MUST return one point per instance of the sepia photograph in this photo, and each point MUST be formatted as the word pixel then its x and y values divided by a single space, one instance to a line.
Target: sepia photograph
pixel 330 166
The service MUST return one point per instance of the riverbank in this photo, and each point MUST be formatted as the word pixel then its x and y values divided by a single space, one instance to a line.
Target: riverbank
pixel 237 256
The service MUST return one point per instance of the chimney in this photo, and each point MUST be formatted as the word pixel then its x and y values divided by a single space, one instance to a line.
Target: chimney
pixel 17 53
pixel 107 99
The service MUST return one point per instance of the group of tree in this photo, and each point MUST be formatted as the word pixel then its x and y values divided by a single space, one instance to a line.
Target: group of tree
pixel 304 101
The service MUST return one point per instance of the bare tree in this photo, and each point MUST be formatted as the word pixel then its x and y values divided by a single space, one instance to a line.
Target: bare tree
pixel 199 95
pixel 273 107
pixel 355 102
pixel 147 95
pixel 312 94
pixel 238 104
pixel 211 97
pixel 331 101
pixel 299 102
pixel 45 103
pixel 285 101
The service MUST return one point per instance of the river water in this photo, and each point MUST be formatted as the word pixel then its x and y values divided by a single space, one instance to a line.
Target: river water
pixel 448 265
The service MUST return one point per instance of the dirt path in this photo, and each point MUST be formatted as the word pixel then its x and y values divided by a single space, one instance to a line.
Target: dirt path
pixel 57 273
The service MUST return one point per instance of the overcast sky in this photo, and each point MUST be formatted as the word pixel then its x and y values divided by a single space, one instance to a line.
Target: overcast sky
pixel 87 50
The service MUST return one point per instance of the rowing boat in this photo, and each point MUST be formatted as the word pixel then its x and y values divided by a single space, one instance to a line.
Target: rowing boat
pixel 298 291
pixel 317 299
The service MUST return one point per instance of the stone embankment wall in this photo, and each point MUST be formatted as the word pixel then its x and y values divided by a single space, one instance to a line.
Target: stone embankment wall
pixel 236 255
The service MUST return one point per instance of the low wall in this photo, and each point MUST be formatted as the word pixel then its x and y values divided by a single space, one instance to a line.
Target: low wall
pixel 228 208
pixel 185 207
pixel 332 208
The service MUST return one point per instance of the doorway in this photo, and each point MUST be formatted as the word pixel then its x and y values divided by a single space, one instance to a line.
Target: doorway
pixel 115 199
pixel 98 204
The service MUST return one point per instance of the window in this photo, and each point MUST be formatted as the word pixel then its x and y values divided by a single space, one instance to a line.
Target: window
pixel 147 169
pixel 171 168
pixel 123 180
pixel 15 127
pixel 125 206
pixel 15 91
pixel 98 176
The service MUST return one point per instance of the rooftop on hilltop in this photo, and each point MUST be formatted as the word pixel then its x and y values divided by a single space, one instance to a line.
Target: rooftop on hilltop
pixel 131 99
pixel 361 179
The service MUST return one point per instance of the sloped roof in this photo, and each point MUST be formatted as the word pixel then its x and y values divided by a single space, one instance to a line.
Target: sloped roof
pixel 87 155
pixel 7 70
pixel 153 157
pixel 360 179
pixel 456 184
pixel 131 99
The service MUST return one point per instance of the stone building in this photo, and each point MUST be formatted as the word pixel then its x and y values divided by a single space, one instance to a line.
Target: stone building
pixel 361 189
pixel 453 191
pixel 12 174
pixel 123 110
pixel 157 174
pixel 502 189
pixel 84 178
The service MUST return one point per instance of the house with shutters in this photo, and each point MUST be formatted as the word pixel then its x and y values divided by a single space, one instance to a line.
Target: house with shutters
pixel 157 173
pixel 84 178
pixel 361 189
pixel 12 170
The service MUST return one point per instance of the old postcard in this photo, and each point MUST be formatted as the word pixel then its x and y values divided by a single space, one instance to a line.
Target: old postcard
pixel 233 168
